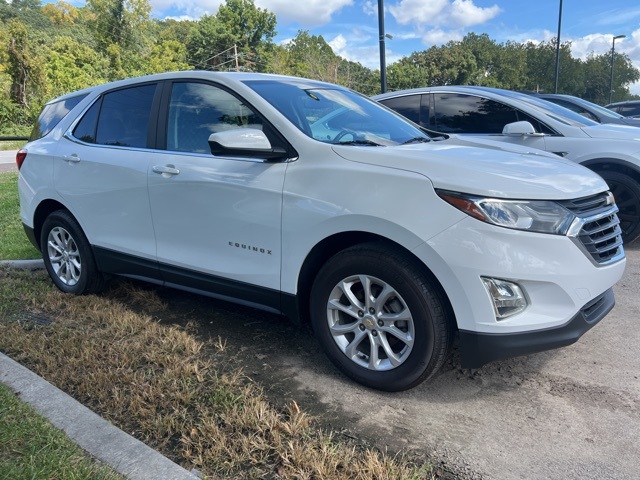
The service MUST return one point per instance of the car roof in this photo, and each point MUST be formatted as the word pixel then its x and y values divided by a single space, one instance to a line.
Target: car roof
pixel 225 78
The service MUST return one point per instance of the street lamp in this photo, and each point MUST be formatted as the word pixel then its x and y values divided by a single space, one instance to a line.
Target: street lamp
pixel 613 53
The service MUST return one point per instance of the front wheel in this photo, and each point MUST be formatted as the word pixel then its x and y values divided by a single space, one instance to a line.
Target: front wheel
pixel 379 318
pixel 68 256
pixel 627 194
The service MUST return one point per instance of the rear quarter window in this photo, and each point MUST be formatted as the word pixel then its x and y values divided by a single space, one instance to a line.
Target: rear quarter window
pixel 51 115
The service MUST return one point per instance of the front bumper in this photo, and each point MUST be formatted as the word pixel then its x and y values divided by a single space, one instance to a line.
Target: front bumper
pixel 478 349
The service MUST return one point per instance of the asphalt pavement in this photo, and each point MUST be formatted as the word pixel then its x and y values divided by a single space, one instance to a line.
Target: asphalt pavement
pixel 8 161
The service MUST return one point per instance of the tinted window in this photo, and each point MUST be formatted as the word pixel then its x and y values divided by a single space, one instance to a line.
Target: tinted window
pixel 457 113
pixel 124 117
pixel 197 110
pixel 629 110
pixel 86 128
pixel 52 114
pixel 573 107
pixel 408 106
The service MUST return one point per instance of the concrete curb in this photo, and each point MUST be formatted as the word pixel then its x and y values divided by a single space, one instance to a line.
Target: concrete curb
pixel 23 264
pixel 125 454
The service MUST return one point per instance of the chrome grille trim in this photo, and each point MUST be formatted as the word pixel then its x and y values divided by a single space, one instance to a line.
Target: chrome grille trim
pixel 596 228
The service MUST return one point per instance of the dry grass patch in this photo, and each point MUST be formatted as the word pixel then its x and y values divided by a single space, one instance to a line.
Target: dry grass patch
pixel 171 390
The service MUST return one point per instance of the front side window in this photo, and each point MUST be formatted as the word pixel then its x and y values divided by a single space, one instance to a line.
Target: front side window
pixel 408 106
pixel 196 110
pixel 51 115
pixel 458 113
pixel 119 118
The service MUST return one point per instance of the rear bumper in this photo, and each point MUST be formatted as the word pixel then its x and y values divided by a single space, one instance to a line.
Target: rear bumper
pixel 478 349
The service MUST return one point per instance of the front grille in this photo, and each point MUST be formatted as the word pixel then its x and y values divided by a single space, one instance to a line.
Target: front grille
pixel 600 232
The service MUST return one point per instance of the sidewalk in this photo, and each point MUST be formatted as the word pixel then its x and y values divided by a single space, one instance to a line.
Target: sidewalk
pixel 101 439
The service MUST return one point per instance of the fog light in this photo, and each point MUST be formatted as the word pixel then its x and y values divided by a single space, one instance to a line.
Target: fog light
pixel 508 298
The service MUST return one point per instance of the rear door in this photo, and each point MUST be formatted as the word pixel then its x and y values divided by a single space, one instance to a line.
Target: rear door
pixel 100 170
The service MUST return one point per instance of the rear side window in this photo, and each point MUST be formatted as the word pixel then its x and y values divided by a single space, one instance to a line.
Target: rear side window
pixel 119 118
pixel 51 115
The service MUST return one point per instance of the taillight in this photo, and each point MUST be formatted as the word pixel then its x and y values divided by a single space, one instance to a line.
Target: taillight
pixel 20 156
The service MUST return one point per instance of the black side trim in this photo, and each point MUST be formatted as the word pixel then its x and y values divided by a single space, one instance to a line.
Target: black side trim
pixel 31 235
pixel 478 349
pixel 118 263
pixel 231 290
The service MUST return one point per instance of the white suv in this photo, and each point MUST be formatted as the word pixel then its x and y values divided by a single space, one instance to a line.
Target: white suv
pixel 310 200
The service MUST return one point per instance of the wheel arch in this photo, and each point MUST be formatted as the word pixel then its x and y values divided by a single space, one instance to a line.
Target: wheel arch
pixel 46 208
pixel 337 242
pixel 613 165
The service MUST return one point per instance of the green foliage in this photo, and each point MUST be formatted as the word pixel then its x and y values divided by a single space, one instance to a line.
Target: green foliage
pixel 52 49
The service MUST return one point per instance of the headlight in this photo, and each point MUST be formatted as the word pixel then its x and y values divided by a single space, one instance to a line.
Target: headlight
pixel 543 216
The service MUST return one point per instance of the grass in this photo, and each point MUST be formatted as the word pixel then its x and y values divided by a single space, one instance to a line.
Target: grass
pixel 14 244
pixel 32 448
pixel 175 392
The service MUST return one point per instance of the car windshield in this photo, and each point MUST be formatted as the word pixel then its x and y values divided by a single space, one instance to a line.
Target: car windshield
pixel 336 115
pixel 558 113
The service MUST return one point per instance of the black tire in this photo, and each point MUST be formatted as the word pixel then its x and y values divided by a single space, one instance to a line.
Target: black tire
pixel 626 191
pixel 410 294
pixel 68 256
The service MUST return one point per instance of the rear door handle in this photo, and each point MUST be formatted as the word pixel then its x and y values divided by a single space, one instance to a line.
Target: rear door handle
pixel 166 170
pixel 73 158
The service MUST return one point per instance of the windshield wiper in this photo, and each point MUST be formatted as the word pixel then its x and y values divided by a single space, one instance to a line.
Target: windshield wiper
pixel 360 142
pixel 416 140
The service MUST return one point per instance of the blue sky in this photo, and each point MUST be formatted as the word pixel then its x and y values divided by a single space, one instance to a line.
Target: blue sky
pixel 351 26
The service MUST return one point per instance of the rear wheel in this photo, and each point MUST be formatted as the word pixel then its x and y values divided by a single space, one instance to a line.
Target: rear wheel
pixel 627 194
pixel 68 256
pixel 380 319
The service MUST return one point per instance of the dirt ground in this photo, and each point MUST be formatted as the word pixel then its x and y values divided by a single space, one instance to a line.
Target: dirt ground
pixel 572 413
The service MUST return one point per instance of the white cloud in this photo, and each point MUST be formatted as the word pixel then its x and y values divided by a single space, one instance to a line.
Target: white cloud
pixel 442 13
pixel 312 14
pixel 439 37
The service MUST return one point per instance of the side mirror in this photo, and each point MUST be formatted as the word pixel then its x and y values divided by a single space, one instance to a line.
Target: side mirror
pixel 244 142
pixel 519 128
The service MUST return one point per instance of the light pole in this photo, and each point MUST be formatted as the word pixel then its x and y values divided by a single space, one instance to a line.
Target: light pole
pixel 558 48
pixel 383 66
pixel 613 53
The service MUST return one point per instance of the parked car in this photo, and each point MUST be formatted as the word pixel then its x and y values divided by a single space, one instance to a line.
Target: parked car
pixel 613 151
pixel 244 187
pixel 588 110
pixel 629 108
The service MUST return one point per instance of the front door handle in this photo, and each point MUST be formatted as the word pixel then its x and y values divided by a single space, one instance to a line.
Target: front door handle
pixel 73 158
pixel 166 170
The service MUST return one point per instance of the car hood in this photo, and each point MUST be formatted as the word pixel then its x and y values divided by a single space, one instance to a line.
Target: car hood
pixel 631 121
pixel 613 131
pixel 497 170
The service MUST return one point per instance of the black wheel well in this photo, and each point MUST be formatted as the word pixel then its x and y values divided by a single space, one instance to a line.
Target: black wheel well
pixel 46 208
pixel 336 243
pixel 611 165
